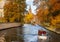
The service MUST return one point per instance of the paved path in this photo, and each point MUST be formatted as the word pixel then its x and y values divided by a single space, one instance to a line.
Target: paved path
pixel 9 25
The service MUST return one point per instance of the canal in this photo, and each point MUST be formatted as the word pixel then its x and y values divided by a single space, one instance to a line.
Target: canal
pixel 27 33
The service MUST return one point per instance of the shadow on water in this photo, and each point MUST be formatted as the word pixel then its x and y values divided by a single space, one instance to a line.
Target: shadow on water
pixel 16 35
pixel 12 35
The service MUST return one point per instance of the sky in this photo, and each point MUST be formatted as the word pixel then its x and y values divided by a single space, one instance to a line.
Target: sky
pixel 30 3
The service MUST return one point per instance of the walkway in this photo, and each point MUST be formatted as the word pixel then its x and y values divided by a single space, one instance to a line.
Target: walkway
pixel 9 25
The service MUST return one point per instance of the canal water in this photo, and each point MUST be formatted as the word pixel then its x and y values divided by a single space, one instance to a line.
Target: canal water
pixel 27 33
pixel 31 32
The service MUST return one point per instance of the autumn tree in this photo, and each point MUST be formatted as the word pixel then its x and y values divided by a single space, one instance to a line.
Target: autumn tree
pixel 54 11
pixel 28 18
pixel 42 10
pixel 14 10
pixel 48 11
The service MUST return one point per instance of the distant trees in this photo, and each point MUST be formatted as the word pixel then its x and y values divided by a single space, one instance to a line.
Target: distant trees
pixel 14 10
pixel 28 18
pixel 48 11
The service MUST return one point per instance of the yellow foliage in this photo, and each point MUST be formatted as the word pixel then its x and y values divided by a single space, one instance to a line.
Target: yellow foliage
pixel 28 17
pixel 16 16
pixel 2 19
pixel 56 20
pixel 0 0
pixel 46 12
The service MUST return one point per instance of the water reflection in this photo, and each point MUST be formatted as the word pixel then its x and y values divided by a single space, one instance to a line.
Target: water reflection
pixel 12 35
pixel 31 32
pixel 27 33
